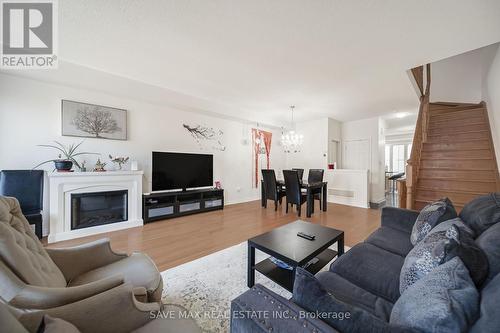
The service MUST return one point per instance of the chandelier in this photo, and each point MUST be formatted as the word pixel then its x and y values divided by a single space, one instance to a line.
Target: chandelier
pixel 291 140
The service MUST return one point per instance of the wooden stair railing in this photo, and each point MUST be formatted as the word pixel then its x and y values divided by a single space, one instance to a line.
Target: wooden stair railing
pixel 420 135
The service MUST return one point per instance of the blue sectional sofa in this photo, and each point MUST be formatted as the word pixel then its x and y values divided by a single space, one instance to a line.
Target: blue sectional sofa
pixel 367 279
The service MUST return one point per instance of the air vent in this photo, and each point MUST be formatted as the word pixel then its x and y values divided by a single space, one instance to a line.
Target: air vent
pixel 341 193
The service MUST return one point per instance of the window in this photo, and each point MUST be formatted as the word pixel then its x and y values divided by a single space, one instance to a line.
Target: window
pixel 388 158
pixel 398 158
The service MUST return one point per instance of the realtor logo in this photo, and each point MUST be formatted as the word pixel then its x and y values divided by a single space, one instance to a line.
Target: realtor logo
pixel 29 34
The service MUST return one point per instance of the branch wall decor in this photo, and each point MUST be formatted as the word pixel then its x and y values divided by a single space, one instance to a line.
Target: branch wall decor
pixel 206 135
pixel 93 121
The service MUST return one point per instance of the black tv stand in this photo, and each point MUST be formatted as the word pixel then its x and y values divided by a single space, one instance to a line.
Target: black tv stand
pixel 166 205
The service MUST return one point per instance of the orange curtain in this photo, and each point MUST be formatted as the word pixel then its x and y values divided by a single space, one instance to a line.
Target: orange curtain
pixel 256 149
pixel 258 138
pixel 267 143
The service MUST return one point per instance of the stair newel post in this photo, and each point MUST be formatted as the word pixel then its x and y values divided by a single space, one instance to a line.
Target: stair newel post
pixel 425 103
pixel 409 185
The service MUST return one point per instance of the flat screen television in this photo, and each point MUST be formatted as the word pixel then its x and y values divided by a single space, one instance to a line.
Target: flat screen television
pixel 181 171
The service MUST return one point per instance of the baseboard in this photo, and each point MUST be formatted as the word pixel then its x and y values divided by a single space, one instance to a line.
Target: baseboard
pixel 377 205
pixel 234 202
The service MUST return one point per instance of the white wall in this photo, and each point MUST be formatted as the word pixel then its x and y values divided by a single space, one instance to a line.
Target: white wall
pixel 317 134
pixel 471 77
pixel 334 141
pixel 313 154
pixel 369 129
pixel 491 93
pixel 458 78
pixel 30 114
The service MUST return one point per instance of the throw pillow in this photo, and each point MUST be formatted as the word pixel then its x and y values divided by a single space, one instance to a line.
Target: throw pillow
pixel 427 255
pixel 430 216
pixel 482 212
pixel 471 255
pixel 443 301
pixel 447 240
pixel 443 226
pixel 309 294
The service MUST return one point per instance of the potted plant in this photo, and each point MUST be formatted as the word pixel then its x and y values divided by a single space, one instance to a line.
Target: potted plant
pixel 66 158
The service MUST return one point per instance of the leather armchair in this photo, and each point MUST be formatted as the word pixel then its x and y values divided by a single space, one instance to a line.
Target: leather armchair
pixel 115 310
pixel 33 278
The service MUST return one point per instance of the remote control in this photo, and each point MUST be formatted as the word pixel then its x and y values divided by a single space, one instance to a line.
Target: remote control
pixel 306 236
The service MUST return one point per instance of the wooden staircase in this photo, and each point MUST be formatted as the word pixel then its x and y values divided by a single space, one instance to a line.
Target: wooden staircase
pixel 457 159
pixel 452 154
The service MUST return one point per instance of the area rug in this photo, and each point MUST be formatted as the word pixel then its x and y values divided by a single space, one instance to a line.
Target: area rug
pixel 206 286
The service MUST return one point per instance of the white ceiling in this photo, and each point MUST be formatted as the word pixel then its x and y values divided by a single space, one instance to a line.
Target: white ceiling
pixel 252 59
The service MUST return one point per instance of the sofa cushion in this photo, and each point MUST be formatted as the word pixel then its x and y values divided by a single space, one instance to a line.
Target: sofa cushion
pixel 489 318
pixel 350 293
pixel 137 269
pixel 56 325
pixel 445 300
pixel 489 242
pixel 21 250
pixel 371 268
pixel 430 216
pixel 482 212
pixel 392 240
pixel 310 295
pixel 399 219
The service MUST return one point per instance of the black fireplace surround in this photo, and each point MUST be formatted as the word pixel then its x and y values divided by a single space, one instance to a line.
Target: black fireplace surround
pixel 98 208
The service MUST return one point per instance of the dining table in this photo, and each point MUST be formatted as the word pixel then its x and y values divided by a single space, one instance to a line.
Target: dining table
pixel 309 187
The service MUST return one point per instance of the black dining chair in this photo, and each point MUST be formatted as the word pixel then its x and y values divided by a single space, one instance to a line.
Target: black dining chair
pixel 300 172
pixel 27 187
pixel 271 189
pixel 315 176
pixel 294 195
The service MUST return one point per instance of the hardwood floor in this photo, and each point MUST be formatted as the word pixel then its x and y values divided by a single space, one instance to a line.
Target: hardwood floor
pixel 173 242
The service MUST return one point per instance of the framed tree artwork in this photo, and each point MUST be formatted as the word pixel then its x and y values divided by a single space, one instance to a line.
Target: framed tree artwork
pixel 93 121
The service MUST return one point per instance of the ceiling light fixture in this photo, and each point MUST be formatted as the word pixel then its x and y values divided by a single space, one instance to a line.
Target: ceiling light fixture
pixel 291 140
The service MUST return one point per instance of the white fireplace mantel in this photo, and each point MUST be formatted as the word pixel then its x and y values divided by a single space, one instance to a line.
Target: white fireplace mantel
pixel 63 184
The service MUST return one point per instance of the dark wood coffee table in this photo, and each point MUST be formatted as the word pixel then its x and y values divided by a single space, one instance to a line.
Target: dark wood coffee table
pixel 284 244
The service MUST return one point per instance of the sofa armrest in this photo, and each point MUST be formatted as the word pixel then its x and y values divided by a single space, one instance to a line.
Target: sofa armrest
pixel 34 297
pixel 399 218
pixel 261 310
pixel 115 310
pixel 74 261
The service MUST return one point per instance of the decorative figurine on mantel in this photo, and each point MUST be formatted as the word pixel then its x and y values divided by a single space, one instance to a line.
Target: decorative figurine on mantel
pixel 120 160
pixel 99 166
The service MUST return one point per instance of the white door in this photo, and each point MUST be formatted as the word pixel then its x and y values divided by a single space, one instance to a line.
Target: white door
pixel 357 154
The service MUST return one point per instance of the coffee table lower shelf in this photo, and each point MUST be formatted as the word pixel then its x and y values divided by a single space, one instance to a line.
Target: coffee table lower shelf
pixel 284 277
